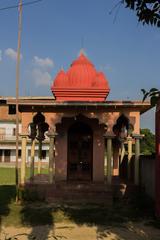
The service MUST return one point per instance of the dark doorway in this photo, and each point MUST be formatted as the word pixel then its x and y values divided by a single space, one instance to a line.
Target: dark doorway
pixel 7 154
pixel 1 151
pixel 80 152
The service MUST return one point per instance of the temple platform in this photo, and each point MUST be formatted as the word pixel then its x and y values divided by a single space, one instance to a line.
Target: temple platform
pixel 78 192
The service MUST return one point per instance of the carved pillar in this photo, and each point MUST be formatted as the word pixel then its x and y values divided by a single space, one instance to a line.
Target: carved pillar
pixel 137 155
pixel 23 159
pixel 52 157
pixel 116 159
pixel 39 156
pixel 122 152
pixel 105 162
pixel 32 159
pixel 129 139
pixel 109 157
pixel 3 160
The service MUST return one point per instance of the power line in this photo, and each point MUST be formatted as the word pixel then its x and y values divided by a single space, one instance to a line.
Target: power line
pixel 23 4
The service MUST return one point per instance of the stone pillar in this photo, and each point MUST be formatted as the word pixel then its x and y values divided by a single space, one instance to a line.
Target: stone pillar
pixel 116 160
pixel 136 161
pixel 105 162
pixel 109 157
pixel 23 159
pixel 52 157
pixel 109 160
pixel 3 160
pixel 129 139
pixel 39 156
pixel 32 159
pixel 122 152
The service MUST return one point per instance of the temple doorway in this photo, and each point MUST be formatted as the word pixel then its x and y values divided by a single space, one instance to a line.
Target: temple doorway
pixel 80 152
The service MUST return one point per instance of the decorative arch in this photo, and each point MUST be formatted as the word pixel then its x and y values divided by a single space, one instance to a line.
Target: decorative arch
pixel 69 120
pixel 123 127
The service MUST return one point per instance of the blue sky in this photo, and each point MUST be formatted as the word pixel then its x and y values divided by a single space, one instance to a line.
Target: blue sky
pixel 53 33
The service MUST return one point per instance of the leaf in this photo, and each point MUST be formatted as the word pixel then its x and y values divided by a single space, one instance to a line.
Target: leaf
pixel 156 6
pixel 154 100
pixel 145 96
pixel 143 91
pixel 153 89
pixel 156 94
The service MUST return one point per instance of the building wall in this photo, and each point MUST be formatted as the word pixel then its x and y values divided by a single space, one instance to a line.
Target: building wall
pixel 107 118
pixel 147 174
pixel 53 118
pixel 4 114
pixel 9 128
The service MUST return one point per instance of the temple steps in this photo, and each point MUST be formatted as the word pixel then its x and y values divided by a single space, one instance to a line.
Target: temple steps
pixel 81 192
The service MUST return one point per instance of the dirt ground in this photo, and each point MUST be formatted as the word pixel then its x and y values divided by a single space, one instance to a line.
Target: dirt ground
pixel 60 231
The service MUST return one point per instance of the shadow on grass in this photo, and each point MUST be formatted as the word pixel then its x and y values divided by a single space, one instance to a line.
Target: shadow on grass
pixel 41 216
pixel 39 219
pixel 7 195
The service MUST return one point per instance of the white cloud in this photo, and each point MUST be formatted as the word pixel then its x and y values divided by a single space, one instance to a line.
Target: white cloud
pixel 11 53
pixel 41 78
pixel 0 55
pixel 43 62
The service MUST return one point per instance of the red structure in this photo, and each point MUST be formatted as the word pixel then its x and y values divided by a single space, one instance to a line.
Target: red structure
pixel 157 167
pixel 80 83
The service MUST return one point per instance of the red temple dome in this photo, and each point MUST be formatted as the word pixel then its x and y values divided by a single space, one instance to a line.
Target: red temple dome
pixel 80 83
pixel 61 78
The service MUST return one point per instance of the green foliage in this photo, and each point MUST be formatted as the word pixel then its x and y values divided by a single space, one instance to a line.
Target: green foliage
pixel 148 142
pixel 153 94
pixel 147 11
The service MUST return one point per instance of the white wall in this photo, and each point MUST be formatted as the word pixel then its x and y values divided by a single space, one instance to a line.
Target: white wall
pixel 9 126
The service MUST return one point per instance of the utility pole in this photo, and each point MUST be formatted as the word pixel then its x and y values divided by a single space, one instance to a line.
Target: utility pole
pixel 17 91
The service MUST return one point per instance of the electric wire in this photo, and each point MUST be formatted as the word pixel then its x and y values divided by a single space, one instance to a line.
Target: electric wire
pixel 17 5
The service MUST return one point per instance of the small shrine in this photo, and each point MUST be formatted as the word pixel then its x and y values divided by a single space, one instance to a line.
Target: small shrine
pixel 89 138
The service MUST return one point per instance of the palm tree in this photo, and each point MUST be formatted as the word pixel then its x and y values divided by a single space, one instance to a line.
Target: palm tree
pixel 153 94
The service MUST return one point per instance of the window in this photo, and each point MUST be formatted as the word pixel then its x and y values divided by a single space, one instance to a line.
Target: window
pixel 19 153
pixel 7 154
pixel 12 109
pixel 44 153
pixel 1 151
pixel 14 132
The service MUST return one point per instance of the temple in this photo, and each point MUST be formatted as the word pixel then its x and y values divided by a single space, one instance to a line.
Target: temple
pixel 87 136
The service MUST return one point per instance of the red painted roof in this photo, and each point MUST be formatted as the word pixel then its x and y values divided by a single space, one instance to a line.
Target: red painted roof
pixel 80 83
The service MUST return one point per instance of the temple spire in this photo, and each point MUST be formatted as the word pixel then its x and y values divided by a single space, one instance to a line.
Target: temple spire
pixel 82 52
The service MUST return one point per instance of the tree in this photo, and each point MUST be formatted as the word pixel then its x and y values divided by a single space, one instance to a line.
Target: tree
pixel 153 94
pixel 148 142
pixel 147 11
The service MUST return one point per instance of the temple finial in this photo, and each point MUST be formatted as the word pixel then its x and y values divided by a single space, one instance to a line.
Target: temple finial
pixel 62 68
pixel 82 52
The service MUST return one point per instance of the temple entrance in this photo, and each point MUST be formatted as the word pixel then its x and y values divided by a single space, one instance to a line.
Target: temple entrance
pixel 80 152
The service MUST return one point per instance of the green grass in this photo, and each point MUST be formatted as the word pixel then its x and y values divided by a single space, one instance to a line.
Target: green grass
pixel 7 175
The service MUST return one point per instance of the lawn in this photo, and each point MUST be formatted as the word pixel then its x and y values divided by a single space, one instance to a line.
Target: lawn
pixel 7 175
